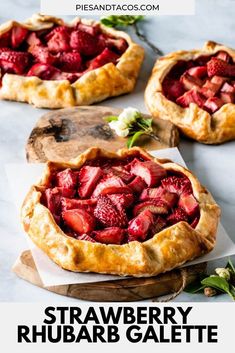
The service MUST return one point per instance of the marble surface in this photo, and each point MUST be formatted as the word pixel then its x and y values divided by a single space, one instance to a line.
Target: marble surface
pixel 214 165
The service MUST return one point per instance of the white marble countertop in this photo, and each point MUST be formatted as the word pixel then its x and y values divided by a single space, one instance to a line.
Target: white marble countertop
pixel 214 165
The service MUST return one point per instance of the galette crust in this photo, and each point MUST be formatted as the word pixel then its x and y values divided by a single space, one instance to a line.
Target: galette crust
pixel 168 249
pixel 193 121
pixel 107 81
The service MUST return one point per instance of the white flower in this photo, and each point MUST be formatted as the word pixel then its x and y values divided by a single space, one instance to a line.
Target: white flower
pixel 129 115
pixel 223 272
pixel 119 127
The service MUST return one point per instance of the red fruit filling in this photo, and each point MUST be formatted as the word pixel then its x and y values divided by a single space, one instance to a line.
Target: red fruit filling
pixel 207 81
pixel 55 53
pixel 116 201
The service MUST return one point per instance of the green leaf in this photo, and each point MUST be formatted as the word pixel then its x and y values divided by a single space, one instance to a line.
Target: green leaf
pixel 111 118
pixel 218 283
pixel 122 21
pixel 131 141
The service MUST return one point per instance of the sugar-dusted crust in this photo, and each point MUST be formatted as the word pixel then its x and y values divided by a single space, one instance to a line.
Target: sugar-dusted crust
pixel 194 122
pixel 166 250
pixel 94 86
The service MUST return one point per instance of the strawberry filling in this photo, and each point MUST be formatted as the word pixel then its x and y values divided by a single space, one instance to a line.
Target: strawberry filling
pixel 116 201
pixel 58 53
pixel 207 82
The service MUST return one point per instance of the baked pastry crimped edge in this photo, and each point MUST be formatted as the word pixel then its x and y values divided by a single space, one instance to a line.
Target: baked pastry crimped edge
pixel 193 121
pixel 94 86
pixel 168 249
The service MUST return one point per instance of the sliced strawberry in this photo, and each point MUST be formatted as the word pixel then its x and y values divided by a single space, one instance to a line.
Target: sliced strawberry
pixel 33 39
pixel 92 30
pixel 79 220
pixel 189 204
pixel 189 97
pixel 140 226
pixel 59 41
pixel 53 200
pixel 159 224
pixel 13 61
pixel 5 39
pixel 222 55
pixel 111 235
pixel 84 43
pixel 227 88
pixel 122 200
pixel 43 71
pixel 190 82
pixel 88 179
pixel 116 190
pixel 66 192
pixel 42 54
pixel 178 185
pixel 220 68
pixel 155 206
pixel 86 238
pixel 122 173
pixel 18 35
pixel 227 97
pixel 106 183
pixel 58 29
pixel 107 56
pixel 198 72
pixel 67 179
pixel 172 88
pixel 137 185
pixel 177 216
pixel 70 62
pixel 213 104
pixel 71 204
pixel 108 214
pixel 159 193
pixel 149 171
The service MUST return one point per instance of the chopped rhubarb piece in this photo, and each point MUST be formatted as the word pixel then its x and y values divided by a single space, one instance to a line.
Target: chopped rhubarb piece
pixel 220 68
pixel 149 171
pixel 108 214
pixel 219 80
pixel 86 238
pixel 92 30
pixel 198 71
pixel 14 61
pixel 227 88
pixel 178 185
pixel 190 82
pixel 122 173
pixel 33 39
pixel 222 55
pixel 59 41
pixel 116 190
pixel 155 206
pixel 88 179
pixel 140 226
pixel 106 183
pixel 84 43
pixel 111 235
pixel 66 192
pixel 189 97
pixel 137 185
pixel 159 193
pixel 107 56
pixel 177 216
pixel 227 97
pixel 210 89
pixel 79 220
pixel 213 104
pixel 173 88
pixel 189 204
pixel 159 224
pixel 41 54
pixel 122 200
pixel 53 200
pixel 67 179
pixel 18 35
pixel 71 204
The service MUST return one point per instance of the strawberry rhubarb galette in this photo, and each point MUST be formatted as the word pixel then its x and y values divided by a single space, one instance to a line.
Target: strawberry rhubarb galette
pixel 49 63
pixel 195 90
pixel 122 213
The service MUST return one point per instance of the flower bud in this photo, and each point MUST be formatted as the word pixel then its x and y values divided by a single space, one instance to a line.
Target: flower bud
pixel 223 272
pixel 129 116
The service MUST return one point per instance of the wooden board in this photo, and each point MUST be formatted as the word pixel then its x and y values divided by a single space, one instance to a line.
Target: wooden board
pixel 63 134
pixel 131 289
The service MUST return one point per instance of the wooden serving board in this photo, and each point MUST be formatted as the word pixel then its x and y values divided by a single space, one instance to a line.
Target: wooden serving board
pixel 131 289
pixel 63 134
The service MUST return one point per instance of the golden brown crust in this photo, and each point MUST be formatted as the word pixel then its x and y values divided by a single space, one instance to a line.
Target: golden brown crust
pixel 194 122
pixel 94 86
pixel 166 250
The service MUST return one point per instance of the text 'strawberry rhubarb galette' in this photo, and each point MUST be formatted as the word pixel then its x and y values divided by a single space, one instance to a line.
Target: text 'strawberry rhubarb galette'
pixel 122 213
pixel 52 64
pixel 195 90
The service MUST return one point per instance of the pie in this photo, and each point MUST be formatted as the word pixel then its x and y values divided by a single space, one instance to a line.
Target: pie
pixel 52 64
pixel 122 213
pixel 195 90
